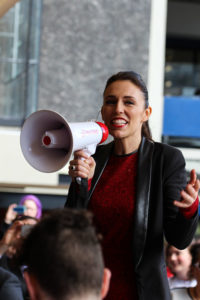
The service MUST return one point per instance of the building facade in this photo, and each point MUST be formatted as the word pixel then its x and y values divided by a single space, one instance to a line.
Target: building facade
pixel 58 56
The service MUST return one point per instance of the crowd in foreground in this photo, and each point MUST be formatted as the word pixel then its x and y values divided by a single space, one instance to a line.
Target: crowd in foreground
pixel 42 258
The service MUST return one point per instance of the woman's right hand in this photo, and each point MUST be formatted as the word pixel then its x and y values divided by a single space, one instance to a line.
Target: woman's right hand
pixel 190 194
pixel 82 165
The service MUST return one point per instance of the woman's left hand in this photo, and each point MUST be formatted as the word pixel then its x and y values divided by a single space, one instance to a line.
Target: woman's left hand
pixel 189 195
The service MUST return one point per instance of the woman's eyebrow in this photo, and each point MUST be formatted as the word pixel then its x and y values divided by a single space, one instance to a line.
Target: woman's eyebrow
pixel 129 97
pixel 110 96
pixel 125 97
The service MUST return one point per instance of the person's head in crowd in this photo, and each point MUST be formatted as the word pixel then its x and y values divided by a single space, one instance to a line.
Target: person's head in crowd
pixel 64 259
pixel 179 261
pixel 33 206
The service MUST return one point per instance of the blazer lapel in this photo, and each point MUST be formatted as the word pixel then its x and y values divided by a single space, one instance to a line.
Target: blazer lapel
pixel 142 199
pixel 101 159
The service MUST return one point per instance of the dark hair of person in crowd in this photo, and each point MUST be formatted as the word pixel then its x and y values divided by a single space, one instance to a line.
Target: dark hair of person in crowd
pixel 136 79
pixel 63 253
pixel 195 251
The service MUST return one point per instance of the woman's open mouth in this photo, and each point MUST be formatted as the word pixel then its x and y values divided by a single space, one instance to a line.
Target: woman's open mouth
pixel 118 122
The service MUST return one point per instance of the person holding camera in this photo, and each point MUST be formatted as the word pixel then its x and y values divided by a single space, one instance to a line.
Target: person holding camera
pixel 10 248
pixel 29 205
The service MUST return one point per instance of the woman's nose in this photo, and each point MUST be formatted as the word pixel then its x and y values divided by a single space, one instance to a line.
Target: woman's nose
pixel 119 107
pixel 173 257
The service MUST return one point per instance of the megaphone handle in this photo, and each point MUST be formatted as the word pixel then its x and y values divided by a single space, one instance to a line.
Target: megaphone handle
pixel 90 149
pixel 78 179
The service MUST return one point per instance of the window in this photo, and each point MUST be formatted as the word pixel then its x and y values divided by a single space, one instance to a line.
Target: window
pixel 182 68
pixel 19 54
pixel 181 120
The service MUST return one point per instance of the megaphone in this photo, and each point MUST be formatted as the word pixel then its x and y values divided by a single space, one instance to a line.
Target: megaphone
pixel 47 140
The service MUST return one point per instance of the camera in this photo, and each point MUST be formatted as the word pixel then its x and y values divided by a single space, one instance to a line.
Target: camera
pixel 20 209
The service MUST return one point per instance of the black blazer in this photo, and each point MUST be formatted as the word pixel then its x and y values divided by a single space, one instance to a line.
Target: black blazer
pixel 160 178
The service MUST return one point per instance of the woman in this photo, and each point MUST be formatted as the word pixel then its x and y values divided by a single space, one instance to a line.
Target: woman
pixel 33 208
pixel 185 282
pixel 134 188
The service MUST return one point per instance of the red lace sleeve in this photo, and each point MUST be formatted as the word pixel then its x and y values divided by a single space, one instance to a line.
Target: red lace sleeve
pixel 190 211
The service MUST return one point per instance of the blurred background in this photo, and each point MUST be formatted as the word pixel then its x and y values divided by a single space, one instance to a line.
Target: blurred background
pixel 57 55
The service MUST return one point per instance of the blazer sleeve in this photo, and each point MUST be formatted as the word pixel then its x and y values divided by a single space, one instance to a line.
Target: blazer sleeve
pixel 178 230
pixel 77 195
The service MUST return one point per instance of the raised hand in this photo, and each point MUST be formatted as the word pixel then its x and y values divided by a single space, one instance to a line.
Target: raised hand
pixel 10 214
pixel 189 195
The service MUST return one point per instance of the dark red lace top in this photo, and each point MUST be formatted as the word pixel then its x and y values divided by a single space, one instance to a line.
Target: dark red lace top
pixel 113 206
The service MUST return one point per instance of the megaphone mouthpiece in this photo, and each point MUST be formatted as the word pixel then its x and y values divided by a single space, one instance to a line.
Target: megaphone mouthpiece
pixel 105 132
pixel 46 141
pixel 57 138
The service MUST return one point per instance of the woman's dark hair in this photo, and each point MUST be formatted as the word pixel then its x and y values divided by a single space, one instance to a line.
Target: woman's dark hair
pixel 136 79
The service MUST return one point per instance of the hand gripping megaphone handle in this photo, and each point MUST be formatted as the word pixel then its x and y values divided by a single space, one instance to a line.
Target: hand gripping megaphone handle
pixel 90 149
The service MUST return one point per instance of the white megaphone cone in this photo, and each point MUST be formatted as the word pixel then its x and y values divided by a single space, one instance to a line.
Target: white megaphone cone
pixel 48 140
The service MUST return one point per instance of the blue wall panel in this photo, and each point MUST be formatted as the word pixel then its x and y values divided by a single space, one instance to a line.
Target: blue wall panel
pixel 181 116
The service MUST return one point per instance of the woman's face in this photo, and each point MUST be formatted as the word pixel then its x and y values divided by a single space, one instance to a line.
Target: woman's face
pixel 179 261
pixel 123 110
pixel 31 208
